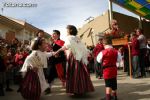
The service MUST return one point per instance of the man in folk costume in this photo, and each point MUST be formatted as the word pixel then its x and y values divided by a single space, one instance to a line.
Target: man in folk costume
pixel 57 62
pixel 98 68
pixel 61 58
pixel 36 61
pixel 108 59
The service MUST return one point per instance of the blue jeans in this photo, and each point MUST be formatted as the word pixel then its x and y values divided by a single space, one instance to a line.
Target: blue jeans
pixel 135 66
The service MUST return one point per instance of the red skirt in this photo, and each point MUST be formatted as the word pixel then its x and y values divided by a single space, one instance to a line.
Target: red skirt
pixel 78 79
pixel 30 88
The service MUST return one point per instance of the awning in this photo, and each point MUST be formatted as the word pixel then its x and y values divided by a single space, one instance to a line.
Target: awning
pixel 139 7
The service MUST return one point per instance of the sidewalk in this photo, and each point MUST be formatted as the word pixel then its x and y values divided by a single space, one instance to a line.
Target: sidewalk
pixel 128 89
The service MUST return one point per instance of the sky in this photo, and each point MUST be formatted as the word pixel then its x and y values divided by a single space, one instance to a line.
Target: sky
pixel 57 14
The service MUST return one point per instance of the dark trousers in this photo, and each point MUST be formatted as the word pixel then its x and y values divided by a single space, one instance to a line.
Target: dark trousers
pixel 17 75
pixel 1 90
pixel 52 73
pixel 142 61
pixel 64 67
pixel 111 83
pixel 126 62
pixel 2 83
pixel 98 69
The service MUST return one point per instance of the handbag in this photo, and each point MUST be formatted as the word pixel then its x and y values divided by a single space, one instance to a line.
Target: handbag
pixel 30 88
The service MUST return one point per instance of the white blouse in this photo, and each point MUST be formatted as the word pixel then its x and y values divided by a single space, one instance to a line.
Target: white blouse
pixel 36 59
pixel 100 55
pixel 79 50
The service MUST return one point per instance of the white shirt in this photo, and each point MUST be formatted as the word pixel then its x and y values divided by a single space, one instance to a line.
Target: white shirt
pixel 100 55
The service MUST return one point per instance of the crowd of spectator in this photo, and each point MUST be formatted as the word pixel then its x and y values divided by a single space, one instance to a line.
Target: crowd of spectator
pixel 12 56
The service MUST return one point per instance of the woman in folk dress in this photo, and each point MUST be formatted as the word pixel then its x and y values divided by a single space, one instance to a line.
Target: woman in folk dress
pixel 78 78
pixel 37 60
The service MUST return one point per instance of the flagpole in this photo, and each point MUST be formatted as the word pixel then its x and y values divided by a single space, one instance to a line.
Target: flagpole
pixel 110 9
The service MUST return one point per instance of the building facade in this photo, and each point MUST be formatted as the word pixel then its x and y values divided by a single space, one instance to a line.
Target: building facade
pixel 90 31
pixel 11 28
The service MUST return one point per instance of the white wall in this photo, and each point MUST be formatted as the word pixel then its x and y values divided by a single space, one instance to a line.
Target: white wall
pixel 21 35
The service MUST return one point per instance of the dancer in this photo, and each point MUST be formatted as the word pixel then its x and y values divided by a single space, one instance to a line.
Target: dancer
pixel 78 79
pixel 108 59
pixel 55 63
pixel 36 61
pixel 60 59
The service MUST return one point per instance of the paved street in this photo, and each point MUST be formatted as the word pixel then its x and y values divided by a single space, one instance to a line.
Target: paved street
pixel 128 89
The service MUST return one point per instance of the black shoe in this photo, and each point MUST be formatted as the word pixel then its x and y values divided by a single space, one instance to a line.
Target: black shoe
pixel 19 90
pixel 9 89
pixel 2 93
pixel 47 91
pixel 114 98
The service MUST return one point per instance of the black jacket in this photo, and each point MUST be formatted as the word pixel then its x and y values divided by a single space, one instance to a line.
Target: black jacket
pixel 61 56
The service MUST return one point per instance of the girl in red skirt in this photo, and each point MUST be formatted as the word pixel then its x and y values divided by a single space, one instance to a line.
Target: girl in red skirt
pixel 34 80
